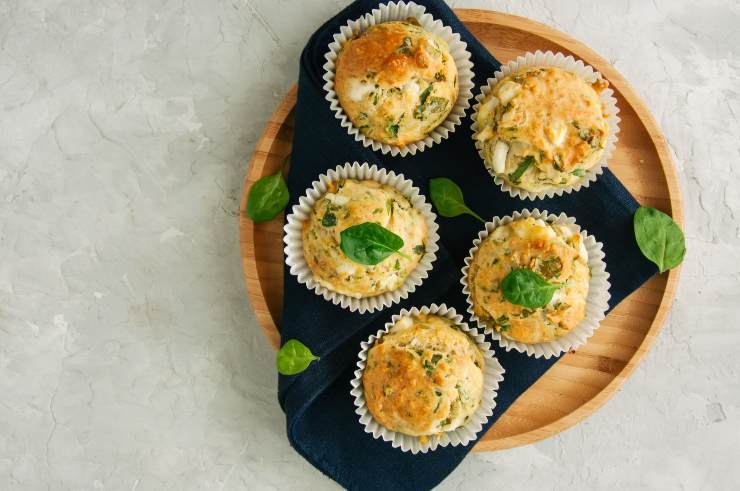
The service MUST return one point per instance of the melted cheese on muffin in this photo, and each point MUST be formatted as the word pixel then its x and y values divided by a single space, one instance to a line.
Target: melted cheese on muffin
pixel 396 82
pixel 555 252
pixel 542 128
pixel 352 202
pixel 424 377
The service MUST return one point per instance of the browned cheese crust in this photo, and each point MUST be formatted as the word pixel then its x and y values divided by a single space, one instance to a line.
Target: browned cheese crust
pixel 424 377
pixel 396 82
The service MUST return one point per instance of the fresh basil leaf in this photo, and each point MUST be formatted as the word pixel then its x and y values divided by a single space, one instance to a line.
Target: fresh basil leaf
pixel 369 243
pixel 267 198
pixel 448 198
pixel 526 288
pixel 525 164
pixel 659 238
pixel 294 357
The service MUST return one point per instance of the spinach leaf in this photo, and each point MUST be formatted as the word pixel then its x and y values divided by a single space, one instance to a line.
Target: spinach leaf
pixel 578 172
pixel 369 243
pixel 551 267
pixel 525 164
pixel 392 129
pixel 429 104
pixel 557 162
pixel 329 220
pixel 267 198
pixel 406 47
pixel 420 111
pixel 659 238
pixel 526 288
pixel 448 198
pixel 294 357
pixel 425 93
pixel 503 323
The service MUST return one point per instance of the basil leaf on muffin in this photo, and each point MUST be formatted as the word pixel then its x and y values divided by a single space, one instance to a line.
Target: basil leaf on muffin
pixel 526 288
pixel 557 270
pixel 294 357
pixel 345 204
pixel 369 243
pixel 659 238
pixel 447 198
pixel 267 198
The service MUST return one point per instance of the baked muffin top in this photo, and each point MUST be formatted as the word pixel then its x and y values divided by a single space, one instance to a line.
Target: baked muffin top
pixel 554 251
pixel 542 128
pixel 352 202
pixel 396 82
pixel 424 377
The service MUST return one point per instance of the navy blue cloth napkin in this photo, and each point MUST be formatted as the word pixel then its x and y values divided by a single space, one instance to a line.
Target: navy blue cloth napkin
pixel 321 423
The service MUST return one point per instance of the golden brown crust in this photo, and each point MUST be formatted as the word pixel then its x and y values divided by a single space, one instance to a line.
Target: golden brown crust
pixel 552 251
pixel 423 377
pixel 377 50
pixel 381 78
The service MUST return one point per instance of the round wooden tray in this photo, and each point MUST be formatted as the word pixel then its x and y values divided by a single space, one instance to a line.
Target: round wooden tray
pixel 579 383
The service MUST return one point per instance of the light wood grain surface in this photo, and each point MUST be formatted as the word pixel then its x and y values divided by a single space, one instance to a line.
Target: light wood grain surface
pixel 579 383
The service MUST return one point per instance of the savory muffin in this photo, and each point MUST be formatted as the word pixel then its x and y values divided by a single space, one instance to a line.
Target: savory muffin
pixel 542 128
pixel 351 202
pixel 396 82
pixel 554 251
pixel 424 377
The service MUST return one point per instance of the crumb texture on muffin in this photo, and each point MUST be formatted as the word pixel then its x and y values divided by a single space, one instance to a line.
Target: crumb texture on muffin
pixel 542 128
pixel 396 82
pixel 424 377
pixel 554 251
pixel 351 202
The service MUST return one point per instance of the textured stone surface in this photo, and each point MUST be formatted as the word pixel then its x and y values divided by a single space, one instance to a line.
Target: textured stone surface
pixel 129 355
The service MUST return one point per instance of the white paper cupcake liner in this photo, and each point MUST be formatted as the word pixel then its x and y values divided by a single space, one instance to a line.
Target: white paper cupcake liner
pixel 597 300
pixel 302 211
pixel 570 64
pixel 463 435
pixel 401 11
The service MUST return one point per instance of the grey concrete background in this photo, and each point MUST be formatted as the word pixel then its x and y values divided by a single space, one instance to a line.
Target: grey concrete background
pixel 130 358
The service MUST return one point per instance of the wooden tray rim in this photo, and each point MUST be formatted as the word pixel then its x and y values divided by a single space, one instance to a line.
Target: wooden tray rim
pixel 262 148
